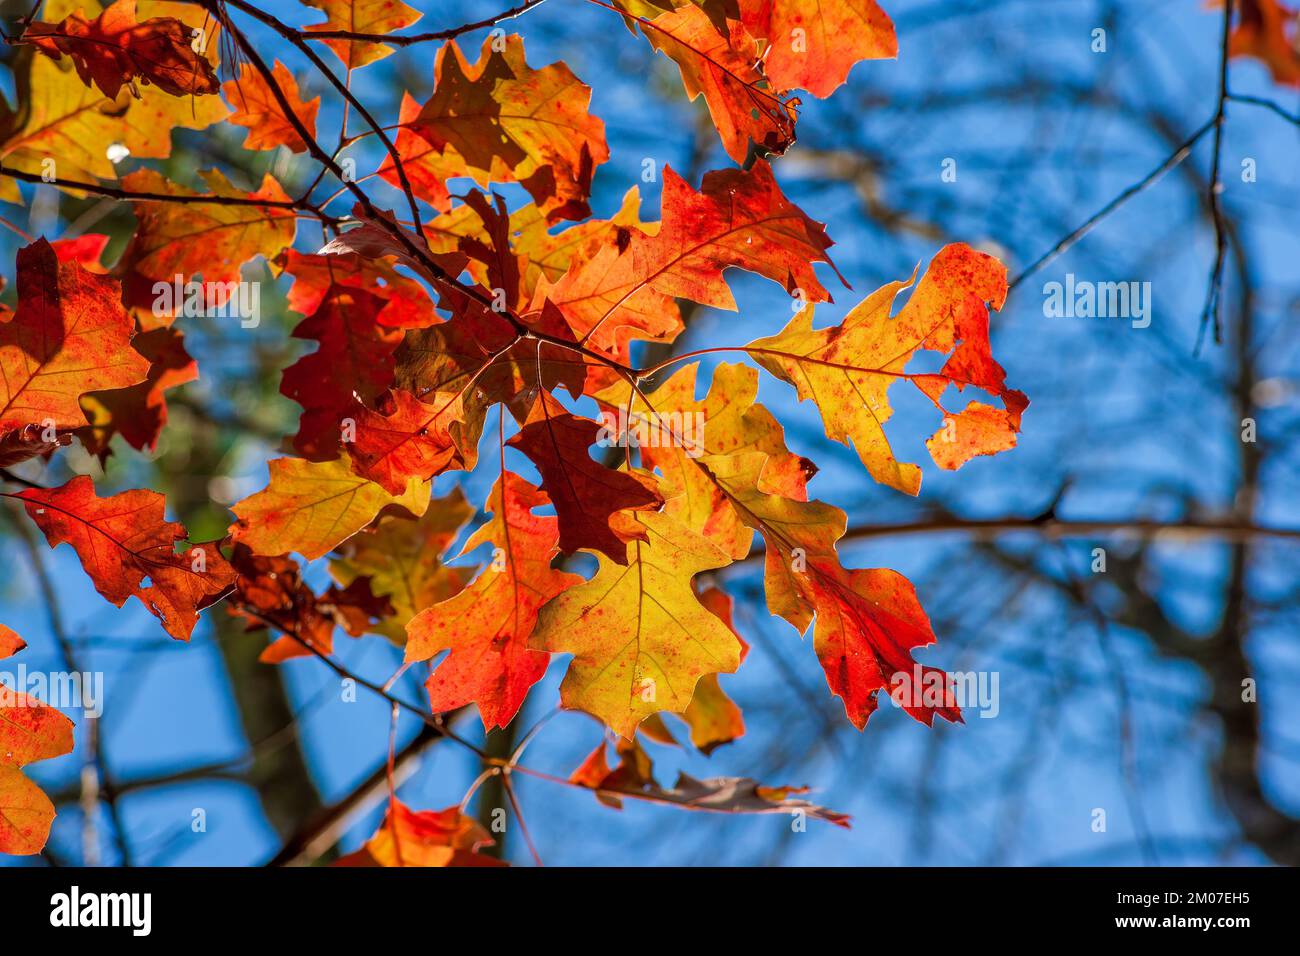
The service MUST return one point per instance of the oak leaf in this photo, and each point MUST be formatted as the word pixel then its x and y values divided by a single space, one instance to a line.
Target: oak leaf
pixel 313 507
pixel 848 369
pixel 812 44
pixel 68 336
pixel 499 120
pixel 486 627
pixel 639 637
pixel 424 838
pixel 257 108
pixel 586 494
pixel 361 16
pixel 115 49
pixel 124 539
pixel 29 731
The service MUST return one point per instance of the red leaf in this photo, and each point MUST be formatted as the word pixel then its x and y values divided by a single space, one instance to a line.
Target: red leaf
pixel 124 539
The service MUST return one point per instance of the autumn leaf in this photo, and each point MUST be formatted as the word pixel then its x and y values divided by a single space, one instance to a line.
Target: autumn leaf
pixel 503 121
pixel 124 539
pixel 682 432
pixel 411 439
pixel 868 620
pixel 65 118
pixel 713 717
pixel 424 838
pixel 312 507
pixel 1267 30
pixel 29 731
pixel 361 16
pixel 257 108
pixel 115 49
pixel 10 642
pixel 207 239
pixel 406 304
pixel 586 494
pixel 639 637
pixel 270 592
pixel 812 44
pixel 487 626
pixel 403 560
pixel 738 219
pixel 68 336
pixel 744 106
pixel 633 778
pixel 139 412
pixel 848 369
pixel 353 364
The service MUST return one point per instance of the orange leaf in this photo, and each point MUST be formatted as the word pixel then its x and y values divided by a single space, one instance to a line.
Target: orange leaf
pixel 499 120
pixel 586 494
pixel 361 16
pixel 487 626
pixel 29 731
pixel 114 50
pixel 69 335
pixel 187 239
pixel 812 44
pixel 257 108
pixel 124 539
pixel 848 369
pixel 424 838
pixel 743 105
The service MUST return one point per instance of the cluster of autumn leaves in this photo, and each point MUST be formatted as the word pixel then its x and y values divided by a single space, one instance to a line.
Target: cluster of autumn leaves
pixel 421 329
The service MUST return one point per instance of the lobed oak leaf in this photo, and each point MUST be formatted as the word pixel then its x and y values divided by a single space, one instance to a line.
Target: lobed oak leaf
pixel 257 108
pixel 499 120
pixel 115 49
pixel 353 364
pixel 742 103
pixel 68 336
pixel 813 44
pixel 639 637
pixel 738 219
pixel 65 118
pixel 138 412
pixel 487 626
pixel 406 304
pixel 124 539
pixel 414 439
pixel 313 507
pixel 29 731
pixel 424 838
pixel 868 620
pixel 586 494
pixel 847 369
pixel 1267 30
pixel 361 16
pixel 402 558
pixel 191 239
